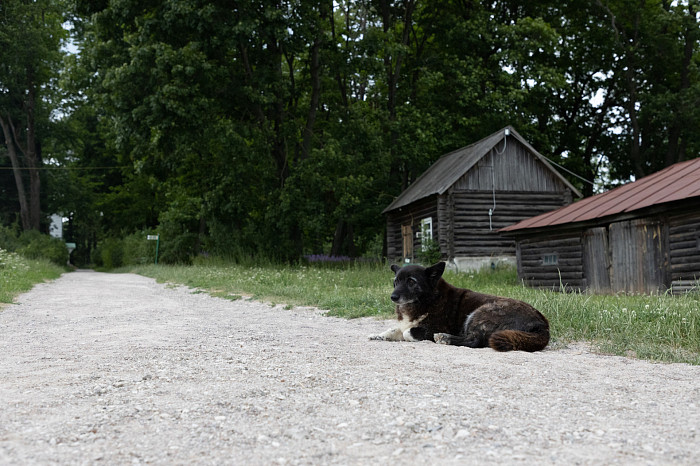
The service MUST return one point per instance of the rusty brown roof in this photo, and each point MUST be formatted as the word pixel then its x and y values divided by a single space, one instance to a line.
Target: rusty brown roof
pixel 677 182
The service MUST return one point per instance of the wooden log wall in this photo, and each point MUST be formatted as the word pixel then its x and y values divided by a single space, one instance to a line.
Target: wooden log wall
pixel 446 219
pixel 410 215
pixel 639 255
pixel 473 236
pixel 566 273
pixel 684 250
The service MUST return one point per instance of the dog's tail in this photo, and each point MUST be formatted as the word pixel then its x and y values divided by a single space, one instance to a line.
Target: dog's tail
pixel 517 340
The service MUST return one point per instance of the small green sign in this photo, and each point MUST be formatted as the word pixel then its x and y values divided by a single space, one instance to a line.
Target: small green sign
pixel 155 238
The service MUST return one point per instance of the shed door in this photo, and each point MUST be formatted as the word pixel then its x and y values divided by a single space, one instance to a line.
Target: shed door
pixel 596 259
pixel 639 256
pixel 407 234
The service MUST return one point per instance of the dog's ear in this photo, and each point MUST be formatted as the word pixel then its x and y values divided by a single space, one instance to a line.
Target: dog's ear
pixel 435 272
pixel 395 268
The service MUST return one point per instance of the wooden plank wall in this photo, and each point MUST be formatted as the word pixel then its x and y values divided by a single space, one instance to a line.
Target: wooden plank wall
pixel 684 251
pixel 639 255
pixel 568 272
pixel 411 214
pixel 516 169
pixel 596 259
pixel 472 235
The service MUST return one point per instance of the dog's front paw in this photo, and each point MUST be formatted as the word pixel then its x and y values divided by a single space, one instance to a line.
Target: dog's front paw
pixel 393 334
pixel 442 338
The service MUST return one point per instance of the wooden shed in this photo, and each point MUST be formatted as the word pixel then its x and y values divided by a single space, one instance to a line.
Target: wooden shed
pixel 466 196
pixel 641 237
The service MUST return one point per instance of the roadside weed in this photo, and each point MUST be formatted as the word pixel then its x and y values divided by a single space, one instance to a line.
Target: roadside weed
pixel 18 274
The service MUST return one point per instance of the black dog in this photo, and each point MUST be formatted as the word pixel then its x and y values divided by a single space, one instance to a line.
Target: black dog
pixel 429 308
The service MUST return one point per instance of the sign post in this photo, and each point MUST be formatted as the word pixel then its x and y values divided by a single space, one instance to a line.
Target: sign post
pixel 155 238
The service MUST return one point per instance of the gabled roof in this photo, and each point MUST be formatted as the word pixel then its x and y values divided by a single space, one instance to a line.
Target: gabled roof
pixel 675 183
pixel 452 166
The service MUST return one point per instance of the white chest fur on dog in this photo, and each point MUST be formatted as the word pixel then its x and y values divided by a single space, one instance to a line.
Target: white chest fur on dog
pixel 402 332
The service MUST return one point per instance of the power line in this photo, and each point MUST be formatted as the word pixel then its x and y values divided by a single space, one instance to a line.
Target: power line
pixel 64 168
pixel 570 172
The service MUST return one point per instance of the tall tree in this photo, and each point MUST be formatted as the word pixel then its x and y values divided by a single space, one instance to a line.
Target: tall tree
pixel 656 45
pixel 213 101
pixel 30 41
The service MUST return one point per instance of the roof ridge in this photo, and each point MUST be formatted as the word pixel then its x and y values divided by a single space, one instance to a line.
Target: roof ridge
pixel 408 196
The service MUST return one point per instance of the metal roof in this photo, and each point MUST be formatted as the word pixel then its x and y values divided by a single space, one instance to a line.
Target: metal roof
pixel 677 182
pixel 452 166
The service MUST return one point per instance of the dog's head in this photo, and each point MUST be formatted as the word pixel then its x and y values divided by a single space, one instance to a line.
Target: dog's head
pixel 414 283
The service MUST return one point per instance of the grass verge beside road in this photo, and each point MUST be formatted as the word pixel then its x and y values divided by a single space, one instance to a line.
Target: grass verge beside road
pixel 18 274
pixel 658 327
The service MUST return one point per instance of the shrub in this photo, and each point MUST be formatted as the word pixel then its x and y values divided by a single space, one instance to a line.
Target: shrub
pixel 430 252
pixel 112 252
pixel 134 249
pixel 96 256
pixel 178 224
pixel 179 249
pixel 34 245
pixel 138 250
pixel 82 256
pixel 9 238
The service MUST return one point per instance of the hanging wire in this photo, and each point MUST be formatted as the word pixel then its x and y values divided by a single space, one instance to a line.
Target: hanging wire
pixel 569 171
pixel 493 176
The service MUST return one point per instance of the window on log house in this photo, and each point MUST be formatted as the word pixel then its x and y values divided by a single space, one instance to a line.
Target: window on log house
pixel 550 259
pixel 426 233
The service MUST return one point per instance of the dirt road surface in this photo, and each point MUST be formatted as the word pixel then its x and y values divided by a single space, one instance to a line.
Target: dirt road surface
pixel 116 369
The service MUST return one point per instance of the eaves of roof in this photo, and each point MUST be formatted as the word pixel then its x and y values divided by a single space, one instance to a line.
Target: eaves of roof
pixel 675 183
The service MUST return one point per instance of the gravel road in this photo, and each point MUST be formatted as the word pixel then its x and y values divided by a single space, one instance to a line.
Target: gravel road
pixel 111 369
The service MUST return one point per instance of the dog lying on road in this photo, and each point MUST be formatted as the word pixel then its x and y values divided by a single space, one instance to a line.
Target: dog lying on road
pixel 429 308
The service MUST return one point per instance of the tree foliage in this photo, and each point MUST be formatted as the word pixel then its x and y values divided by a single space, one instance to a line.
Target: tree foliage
pixel 283 128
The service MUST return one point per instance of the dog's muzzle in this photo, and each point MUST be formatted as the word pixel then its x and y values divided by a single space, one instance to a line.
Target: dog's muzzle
pixel 400 300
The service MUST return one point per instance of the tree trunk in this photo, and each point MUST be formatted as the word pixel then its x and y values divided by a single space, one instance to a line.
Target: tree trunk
pixel 635 148
pixel 594 138
pixel 315 68
pixel 33 157
pixel 343 240
pixel 278 116
pixel 16 170
pixel 627 46
pixel 30 205
pixel 392 67
pixel 676 147
pixel 342 85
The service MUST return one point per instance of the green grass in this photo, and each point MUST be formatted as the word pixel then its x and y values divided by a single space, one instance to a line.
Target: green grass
pixel 659 327
pixel 351 291
pixel 18 274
